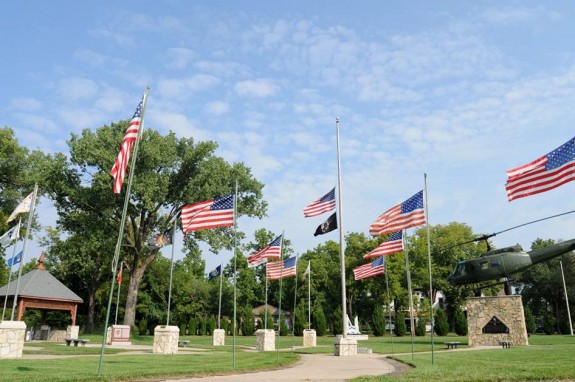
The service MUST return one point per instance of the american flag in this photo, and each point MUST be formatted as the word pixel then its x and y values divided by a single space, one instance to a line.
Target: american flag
pixel 282 268
pixel 270 251
pixel 374 268
pixel 213 213
pixel 119 169
pixel 543 174
pixel 393 244
pixel 403 216
pixel 324 204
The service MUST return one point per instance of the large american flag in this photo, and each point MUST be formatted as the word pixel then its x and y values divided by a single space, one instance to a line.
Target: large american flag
pixel 119 169
pixel 270 251
pixel 374 268
pixel 403 216
pixel 213 213
pixel 282 268
pixel 543 174
pixel 393 244
pixel 324 204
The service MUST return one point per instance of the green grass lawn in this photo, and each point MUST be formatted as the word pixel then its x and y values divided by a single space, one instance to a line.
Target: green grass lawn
pixel 547 358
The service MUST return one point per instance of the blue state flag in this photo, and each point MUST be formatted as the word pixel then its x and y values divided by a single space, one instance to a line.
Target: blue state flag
pixel 215 273
pixel 14 260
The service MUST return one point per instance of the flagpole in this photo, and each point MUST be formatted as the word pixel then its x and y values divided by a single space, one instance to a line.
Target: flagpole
pixel 389 304
pixel 116 258
pixel 10 270
pixel 171 274
pixel 280 299
pixel 28 229
pixel 118 299
pixel 309 295
pixel 429 265
pixel 266 312
pixel 294 302
pixel 566 297
pixel 220 299
pixel 408 272
pixel 341 236
pixel 235 275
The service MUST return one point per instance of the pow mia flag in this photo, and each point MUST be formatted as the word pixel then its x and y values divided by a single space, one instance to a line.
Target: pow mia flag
pixel 327 226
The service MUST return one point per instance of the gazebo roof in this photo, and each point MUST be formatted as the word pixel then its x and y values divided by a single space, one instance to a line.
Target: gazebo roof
pixel 39 283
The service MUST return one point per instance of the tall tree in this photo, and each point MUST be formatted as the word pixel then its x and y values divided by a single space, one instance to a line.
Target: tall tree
pixel 170 172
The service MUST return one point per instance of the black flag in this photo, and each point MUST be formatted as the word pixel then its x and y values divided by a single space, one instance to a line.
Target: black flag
pixel 327 226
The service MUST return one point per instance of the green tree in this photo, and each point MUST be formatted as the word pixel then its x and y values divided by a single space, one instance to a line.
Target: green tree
pixel 247 323
pixel 193 326
pixel 529 320
pixel 337 322
pixel 400 327
pixel 319 321
pixel 441 326
pixel 378 321
pixel 299 321
pixel 460 322
pixel 420 327
pixel 169 173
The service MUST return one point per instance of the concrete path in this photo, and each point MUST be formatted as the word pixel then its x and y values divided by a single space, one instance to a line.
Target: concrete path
pixel 315 367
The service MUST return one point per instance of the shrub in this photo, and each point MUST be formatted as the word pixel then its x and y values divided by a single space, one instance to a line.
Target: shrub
pixel 378 321
pixel 247 323
pixel 529 320
pixel 420 327
pixel 441 327
pixel 319 321
pixel 400 328
pixel 143 327
pixel 299 321
pixel 460 322
pixel 337 322
pixel 193 326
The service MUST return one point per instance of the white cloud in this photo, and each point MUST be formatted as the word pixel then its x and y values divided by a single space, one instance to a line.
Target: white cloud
pixel 260 88
pixel 217 108
pixel 76 88
pixel 26 104
pixel 517 14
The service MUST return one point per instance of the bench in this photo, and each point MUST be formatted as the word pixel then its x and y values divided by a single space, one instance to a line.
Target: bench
pixel 183 343
pixel 452 345
pixel 75 341
pixel 505 344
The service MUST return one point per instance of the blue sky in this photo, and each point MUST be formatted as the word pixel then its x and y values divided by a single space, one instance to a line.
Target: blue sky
pixel 461 91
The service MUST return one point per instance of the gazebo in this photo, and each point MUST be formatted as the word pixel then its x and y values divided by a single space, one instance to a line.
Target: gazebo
pixel 38 289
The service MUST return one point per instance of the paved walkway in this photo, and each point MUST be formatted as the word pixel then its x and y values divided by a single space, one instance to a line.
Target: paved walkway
pixel 315 367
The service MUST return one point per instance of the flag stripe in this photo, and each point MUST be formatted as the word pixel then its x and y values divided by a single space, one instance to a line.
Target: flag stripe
pixel 324 204
pixel 376 267
pixel 392 245
pixel 214 213
pixel 279 269
pixel 119 170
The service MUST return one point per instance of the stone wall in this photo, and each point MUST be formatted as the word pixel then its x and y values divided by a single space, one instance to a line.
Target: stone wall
pixel 505 311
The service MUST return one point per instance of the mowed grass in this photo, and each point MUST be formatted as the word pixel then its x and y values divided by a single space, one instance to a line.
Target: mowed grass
pixel 548 358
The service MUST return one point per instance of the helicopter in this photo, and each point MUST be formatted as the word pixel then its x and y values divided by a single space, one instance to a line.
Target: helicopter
pixel 502 263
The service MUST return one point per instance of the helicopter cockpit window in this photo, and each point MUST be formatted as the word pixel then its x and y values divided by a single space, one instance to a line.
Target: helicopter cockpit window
pixel 484 265
pixel 495 263
pixel 459 270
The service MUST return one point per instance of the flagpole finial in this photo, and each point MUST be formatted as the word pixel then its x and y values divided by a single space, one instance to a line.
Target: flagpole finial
pixel 336 119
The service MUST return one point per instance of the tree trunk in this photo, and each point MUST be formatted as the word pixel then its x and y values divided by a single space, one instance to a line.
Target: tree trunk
pixel 91 312
pixel 136 275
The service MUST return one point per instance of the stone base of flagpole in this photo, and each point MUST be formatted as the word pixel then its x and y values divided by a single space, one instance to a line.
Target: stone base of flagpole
pixel 265 340
pixel 344 347
pixel 219 337
pixel 166 339
pixel 12 334
pixel 309 338
pixel 72 331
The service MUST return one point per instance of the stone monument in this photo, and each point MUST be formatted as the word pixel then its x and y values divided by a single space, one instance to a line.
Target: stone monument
pixel 166 339
pixel 265 340
pixel 497 319
pixel 309 338
pixel 12 335
pixel 118 335
pixel 219 337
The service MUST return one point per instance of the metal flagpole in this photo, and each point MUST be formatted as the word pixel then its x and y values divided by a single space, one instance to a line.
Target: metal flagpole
pixel 171 272
pixel 341 237
pixel 235 275
pixel 280 299
pixel 122 225
pixel 220 299
pixel 408 272
pixel 389 304
pixel 309 294
pixel 28 229
pixel 566 297
pixel 10 269
pixel 429 264
pixel 118 296
pixel 266 312
pixel 294 303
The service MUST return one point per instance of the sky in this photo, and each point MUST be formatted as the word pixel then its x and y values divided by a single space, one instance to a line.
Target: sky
pixel 459 91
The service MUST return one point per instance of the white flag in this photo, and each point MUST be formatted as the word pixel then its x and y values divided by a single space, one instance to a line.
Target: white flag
pixel 308 269
pixel 24 206
pixel 10 235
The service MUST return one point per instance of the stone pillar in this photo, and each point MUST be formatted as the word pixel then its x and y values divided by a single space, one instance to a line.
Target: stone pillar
pixel 12 335
pixel 309 338
pixel 118 335
pixel 265 340
pixel 494 319
pixel 72 331
pixel 166 339
pixel 344 347
pixel 218 337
